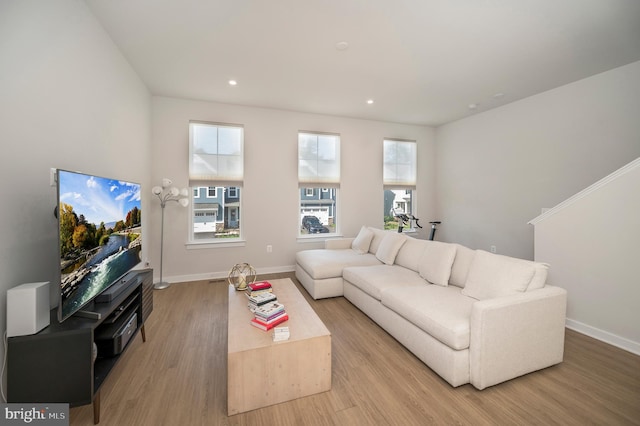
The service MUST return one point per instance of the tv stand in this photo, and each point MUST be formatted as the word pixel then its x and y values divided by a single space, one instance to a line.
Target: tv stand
pixel 59 364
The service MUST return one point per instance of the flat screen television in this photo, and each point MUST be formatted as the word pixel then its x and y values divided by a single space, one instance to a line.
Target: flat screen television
pixel 99 236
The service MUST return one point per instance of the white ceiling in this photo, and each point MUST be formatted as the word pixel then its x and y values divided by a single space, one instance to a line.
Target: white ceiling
pixel 421 61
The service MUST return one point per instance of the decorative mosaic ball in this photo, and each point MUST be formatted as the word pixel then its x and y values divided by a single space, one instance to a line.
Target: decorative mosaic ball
pixel 241 275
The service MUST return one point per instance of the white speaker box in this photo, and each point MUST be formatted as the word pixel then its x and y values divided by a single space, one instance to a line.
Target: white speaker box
pixel 27 309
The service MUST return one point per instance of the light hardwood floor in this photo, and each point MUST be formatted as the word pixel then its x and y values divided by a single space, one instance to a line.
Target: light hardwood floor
pixel 178 377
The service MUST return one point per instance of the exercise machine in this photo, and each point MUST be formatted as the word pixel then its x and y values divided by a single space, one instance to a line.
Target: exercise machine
pixel 432 234
pixel 405 220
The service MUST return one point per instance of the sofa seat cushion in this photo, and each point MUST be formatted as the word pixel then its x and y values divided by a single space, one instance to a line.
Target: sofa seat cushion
pixel 373 279
pixel 442 312
pixel 321 263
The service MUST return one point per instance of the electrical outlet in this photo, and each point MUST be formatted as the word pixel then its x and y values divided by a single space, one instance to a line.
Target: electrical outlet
pixel 269 248
pixel 493 249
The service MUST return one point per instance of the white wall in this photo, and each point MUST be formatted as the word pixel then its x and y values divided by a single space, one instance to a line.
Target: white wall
pixel 68 100
pixel 498 169
pixel 601 228
pixel 270 194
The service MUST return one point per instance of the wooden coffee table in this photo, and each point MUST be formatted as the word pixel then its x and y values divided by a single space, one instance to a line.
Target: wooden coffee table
pixel 261 372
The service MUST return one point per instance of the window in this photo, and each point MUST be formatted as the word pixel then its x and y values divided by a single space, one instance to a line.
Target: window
pixel 216 168
pixel 214 219
pixel 318 182
pixel 399 180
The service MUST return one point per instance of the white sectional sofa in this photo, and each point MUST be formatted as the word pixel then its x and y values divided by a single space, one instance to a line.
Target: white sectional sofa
pixel 471 316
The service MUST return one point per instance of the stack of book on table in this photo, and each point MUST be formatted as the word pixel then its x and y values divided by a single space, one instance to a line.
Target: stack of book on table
pixel 268 316
pixel 260 300
pixel 267 311
pixel 259 287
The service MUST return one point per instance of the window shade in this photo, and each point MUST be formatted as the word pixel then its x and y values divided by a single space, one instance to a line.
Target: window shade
pixel 216 154
pixel 318 160
pixel 400 158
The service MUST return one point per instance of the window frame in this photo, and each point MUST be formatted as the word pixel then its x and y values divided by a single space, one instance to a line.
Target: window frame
pixel 222 184
pixel 318 173
pixel 397 181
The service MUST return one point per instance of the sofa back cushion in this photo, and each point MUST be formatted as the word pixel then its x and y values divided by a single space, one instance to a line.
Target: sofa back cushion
pixel 389 247
pixel 378 235
pixel 436 261
pixel 410 253
pixel 539 277
pixel 362 241
pixel 461 265
pixel 492 275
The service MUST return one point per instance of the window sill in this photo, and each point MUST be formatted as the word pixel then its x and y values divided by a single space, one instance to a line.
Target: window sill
pixel 209 244
pixel 404 231
pixel 314 238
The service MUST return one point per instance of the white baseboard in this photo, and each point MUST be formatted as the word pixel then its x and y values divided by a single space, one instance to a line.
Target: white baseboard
pixel 224 274
pixel 605 336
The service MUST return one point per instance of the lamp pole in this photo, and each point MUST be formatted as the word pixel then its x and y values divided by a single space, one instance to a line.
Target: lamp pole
pixel 161 284
pixel 166 193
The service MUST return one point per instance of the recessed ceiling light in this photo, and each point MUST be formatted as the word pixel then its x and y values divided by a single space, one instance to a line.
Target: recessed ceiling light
pixel 370 101
pixel 498 95
pixel 342 45
pixel 473 106
pixel 232 82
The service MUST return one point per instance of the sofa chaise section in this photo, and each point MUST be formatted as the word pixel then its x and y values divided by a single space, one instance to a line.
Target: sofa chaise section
pixel 320 270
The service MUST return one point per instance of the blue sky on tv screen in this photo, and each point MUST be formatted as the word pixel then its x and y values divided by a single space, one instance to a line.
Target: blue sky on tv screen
pixel 98 199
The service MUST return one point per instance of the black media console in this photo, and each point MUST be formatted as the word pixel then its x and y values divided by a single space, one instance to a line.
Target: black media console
pixel 68 362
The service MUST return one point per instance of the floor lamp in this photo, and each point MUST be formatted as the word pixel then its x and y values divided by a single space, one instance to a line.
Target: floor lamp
pixel 166 193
